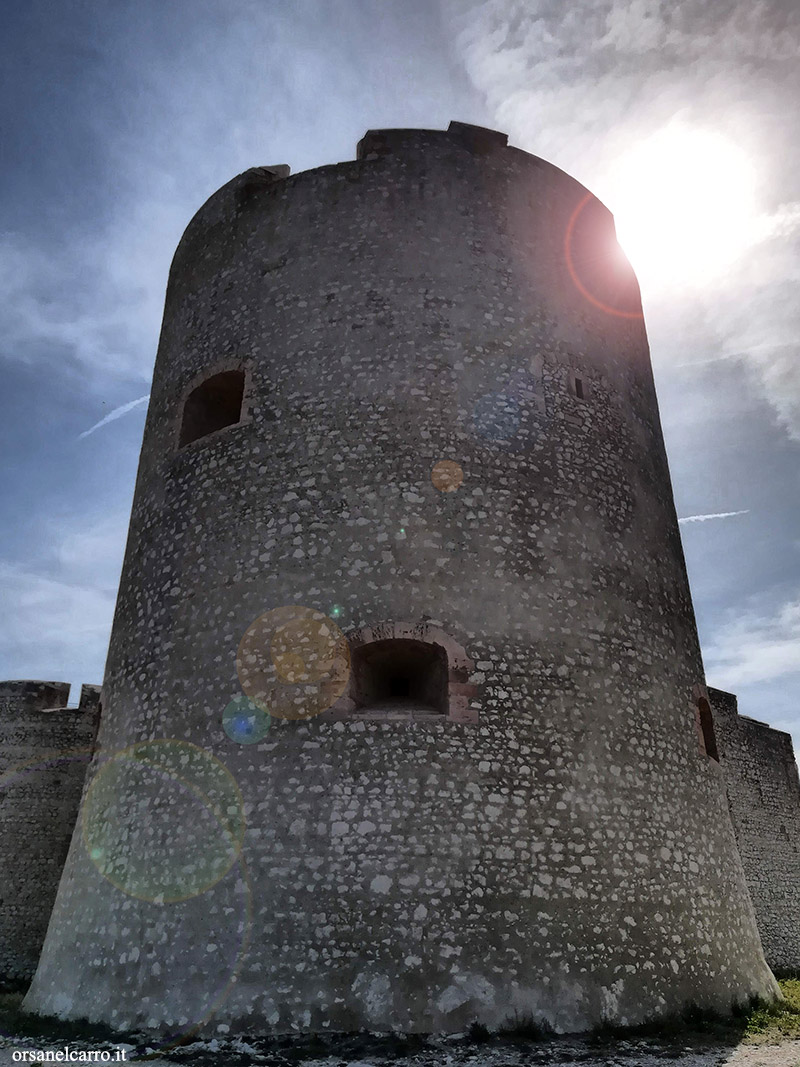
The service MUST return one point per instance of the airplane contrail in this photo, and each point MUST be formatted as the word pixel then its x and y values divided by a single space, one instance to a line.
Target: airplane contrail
pixel 716 515
pixel 117 413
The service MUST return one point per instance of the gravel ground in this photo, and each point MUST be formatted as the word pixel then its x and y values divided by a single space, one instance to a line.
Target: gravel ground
pixel 558 1052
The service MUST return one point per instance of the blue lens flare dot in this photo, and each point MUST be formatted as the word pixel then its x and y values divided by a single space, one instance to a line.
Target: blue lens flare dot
pixel 497 417
pixel 244 722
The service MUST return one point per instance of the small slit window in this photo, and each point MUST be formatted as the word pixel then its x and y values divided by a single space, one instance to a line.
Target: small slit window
pixel 213 405
pixel 578 386
pixel 705 721
pixel 400 675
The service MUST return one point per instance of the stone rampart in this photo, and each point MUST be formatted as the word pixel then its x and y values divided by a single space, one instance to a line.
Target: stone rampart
pixel 45 748
pixel 763 790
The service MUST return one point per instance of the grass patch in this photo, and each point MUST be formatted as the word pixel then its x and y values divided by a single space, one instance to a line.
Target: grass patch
pixel 756 1020
pixel 525 1027
pixel 779 1021
pixel 14 985
pixel 691 1021
pixel 478 1034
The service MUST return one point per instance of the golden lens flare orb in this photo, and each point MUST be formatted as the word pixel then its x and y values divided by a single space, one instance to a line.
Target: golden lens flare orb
pixel 303 650
pixel 447 476
pixel 294 662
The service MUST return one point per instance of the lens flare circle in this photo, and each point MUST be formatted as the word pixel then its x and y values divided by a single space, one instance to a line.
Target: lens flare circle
pixel 49 762
pixel 569 239
pixel 163 820
pixel 294 662
pixel 303 650
pixel 216 998
pixel 447 476
pixel 497 417
pixel 244 722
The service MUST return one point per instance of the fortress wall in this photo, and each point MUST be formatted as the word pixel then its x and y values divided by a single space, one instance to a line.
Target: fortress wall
pixel 32 695
pixel 764 798
pixel 45 749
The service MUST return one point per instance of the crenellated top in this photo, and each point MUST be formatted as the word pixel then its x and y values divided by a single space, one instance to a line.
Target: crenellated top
pixel 476 139
pixel 256 187
pixel 26 695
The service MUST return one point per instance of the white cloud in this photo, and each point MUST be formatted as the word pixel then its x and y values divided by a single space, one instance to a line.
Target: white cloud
pixel 80 302
pixel 90 549
pixel 94 296
pixel 716 515
pixel 780 375
pixel 581 85
pixel 62 602
pixel 783 222
pixel 117 413
pixel 60 630
pixel 755 648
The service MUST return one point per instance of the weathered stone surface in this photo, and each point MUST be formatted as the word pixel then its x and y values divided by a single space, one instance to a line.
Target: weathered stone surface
pixel 764 799
pixel 45 749
pixel 567 855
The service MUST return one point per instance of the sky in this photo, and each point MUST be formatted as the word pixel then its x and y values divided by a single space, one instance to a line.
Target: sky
pixel 120 117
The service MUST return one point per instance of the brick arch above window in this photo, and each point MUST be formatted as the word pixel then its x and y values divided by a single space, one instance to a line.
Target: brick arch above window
pixel 406 641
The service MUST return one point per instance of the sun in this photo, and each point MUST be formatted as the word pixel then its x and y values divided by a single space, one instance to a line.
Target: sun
pixel 684 206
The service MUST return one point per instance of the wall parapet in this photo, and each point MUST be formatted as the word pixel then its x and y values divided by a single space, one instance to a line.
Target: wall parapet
pixel 33 695
pixel 24 695
pixel 763 789
pixel 45 749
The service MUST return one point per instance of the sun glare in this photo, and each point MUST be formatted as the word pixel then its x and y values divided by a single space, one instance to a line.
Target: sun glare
pixel 684 206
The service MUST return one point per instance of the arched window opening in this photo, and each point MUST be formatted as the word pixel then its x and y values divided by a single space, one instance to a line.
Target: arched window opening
pixel 706 723
pixel 408 670
pixel 213 405
pixel 400 674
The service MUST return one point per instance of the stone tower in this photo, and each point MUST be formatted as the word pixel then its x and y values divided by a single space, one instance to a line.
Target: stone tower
pixel 407 400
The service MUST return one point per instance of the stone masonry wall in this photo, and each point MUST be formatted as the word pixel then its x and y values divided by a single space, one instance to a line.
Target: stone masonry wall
pixel 566 850
pixel 45 749
pixel 763 790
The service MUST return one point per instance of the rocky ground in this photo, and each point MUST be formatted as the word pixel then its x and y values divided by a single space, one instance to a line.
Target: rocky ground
pixel 763 1035
pixel 450 1052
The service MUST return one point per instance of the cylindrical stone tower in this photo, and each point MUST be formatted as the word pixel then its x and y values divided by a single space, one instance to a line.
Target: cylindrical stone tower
pixel 410 394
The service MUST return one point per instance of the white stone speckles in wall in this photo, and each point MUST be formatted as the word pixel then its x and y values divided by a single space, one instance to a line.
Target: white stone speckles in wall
pixel 410 306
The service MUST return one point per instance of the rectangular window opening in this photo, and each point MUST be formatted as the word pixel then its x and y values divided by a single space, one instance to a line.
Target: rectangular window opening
pixel 399 674
pixel 213 405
